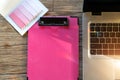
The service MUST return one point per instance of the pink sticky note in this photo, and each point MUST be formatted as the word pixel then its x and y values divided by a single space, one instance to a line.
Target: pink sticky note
pixel 24 11
pixel 53 52
pixel 21 16
pixel 17 20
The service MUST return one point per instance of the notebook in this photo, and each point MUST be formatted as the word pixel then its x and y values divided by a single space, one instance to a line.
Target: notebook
pixel 22 14
pixel 101 40
pixel 53 51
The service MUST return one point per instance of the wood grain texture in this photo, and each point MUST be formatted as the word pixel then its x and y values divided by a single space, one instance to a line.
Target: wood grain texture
pixel 13 77
pixel 68 5
pixel 13 47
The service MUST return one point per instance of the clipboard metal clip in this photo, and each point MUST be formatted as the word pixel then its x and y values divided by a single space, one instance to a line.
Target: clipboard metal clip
pixel 53 21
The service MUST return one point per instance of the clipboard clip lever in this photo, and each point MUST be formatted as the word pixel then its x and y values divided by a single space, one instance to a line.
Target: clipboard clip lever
pixel 53 21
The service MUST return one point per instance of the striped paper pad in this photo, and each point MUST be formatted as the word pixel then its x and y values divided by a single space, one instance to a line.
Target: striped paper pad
pixel 25 13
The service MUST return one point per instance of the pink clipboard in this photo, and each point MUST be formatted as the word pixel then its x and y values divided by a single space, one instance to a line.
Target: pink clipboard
pixel 53 52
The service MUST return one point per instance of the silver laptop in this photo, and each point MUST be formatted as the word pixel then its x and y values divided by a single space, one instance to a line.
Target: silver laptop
pixel 101 40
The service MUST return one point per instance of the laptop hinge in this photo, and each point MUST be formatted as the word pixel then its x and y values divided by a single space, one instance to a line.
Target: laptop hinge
pixel 97 13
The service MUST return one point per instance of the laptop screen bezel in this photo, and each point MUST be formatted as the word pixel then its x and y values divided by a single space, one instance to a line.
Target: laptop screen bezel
pixel 101 6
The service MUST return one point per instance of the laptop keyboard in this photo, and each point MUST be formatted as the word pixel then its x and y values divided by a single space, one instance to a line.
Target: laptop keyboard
pixel 105 38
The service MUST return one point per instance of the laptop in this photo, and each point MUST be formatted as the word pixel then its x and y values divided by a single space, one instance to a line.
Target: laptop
pixel 101 40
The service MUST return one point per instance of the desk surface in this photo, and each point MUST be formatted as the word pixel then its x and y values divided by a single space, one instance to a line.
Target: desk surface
pixel 13 47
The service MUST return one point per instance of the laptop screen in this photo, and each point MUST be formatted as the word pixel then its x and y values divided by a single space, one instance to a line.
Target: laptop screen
pixel 101 6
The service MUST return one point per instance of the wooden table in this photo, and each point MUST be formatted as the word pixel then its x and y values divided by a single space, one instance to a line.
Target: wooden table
pixel 13 47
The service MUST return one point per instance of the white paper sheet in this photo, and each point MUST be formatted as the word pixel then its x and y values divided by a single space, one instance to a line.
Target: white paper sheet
pixel 22 14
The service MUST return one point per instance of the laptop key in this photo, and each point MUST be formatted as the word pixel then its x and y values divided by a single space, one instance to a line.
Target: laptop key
pixel 112 34
pixel 99 52
pixel 115 28
pixel 93 46
pixel 105 52
pixel 104 24
pixel 118 34
pixel 99 34
pixel 98 24
pixel 119 28
pixel 114 40
pixel 93 52
pixel 109 24
pixel 92 24
pixel 106 34
pixel 102 40
pixel 93 34
pixel 96 46
pixel 92 28
pixel 105 46
pixel 99 46
pixel 103 29
pixel 117 52
pixel 109 29
pixel 94 40
pixel 97 28
pixel 117 46
pixel 111 52
pixel 118 40
pixel 111 46
pixel 108 40
pixel 115 24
